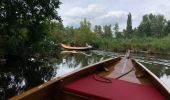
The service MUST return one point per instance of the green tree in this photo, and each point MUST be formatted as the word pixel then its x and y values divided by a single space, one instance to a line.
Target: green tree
pixel 167 28
pixel 152 25
pixel 85 26
pixel 69 34
pixel 83 34
pixel 107 31
pixel 157 25
pixel 144 28
pixel 56 30
pixel 98 30
pixel 116 30
pixel 22 22
pixel 129 30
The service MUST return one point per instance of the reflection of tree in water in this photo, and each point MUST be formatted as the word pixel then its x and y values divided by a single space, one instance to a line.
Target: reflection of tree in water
pixel 158 69
pixel 79 60
pixel 24 75
pixel 36 72
pixel 10 84
pixel 167 71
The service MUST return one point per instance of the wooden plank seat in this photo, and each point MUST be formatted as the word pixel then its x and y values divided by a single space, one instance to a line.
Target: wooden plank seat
pixel 116 90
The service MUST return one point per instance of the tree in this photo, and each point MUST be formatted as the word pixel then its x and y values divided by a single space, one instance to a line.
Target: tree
pixel 22 21
pixel 144 28
pixel 107 31
pixel 98 30
pixel 85 26
pixel 83 34
pixel 167 28
pixel 157 25
pixel 129 30
pixel 116 30
pixel 152 25
pixel 56 30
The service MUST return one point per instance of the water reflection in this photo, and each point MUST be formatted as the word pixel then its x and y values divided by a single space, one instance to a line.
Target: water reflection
pixel 162 71
pixel 22 75
pixel 72 61
pixel 158 64
pixel 10 83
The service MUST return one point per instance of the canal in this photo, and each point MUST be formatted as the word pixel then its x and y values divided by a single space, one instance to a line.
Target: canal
pixel 21 75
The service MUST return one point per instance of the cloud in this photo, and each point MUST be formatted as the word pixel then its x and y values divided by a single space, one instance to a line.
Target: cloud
pixel 111 17
pixel 163 9
pixel 90 11
pixel 101 12
pixel 116 14
pixel 96 14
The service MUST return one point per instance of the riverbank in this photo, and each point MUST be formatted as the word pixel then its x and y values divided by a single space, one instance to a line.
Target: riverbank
pixel 149 45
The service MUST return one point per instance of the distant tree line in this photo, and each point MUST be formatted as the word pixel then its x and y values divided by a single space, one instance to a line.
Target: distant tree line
pixel 151 26
pixel 151 35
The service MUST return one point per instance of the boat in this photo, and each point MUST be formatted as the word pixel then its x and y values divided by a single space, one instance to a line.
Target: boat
pixel 68 47
pixel 121 78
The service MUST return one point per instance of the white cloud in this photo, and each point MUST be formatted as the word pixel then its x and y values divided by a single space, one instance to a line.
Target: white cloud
pixel 87 12
pixel 163 9
pixel 96 14
pixel 116 14
pixel 101 12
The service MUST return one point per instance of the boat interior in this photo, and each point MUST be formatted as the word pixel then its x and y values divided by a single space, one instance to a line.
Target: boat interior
pixel 119 78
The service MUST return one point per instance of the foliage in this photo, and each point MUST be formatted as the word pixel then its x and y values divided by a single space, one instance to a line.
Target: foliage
pixel 99 40
pixel 84 34
pixel 107 31
pixel 152 25
pixel 98 30
pixel 144 28
pixel 23 22
pixel 167 28
pixel 129 31
pixel 116 31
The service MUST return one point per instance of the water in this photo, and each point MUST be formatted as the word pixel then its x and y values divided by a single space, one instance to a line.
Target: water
pixel 158 64
pixel 22 75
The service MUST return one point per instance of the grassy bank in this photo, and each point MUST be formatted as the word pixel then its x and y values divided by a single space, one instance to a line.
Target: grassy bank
pixel 138 44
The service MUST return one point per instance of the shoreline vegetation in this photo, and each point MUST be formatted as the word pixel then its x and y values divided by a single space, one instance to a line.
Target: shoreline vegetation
pixel 138 45
pixel 152 36
pixel 32 31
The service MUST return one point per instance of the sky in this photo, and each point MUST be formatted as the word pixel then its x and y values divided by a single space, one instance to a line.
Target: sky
pixel 105 12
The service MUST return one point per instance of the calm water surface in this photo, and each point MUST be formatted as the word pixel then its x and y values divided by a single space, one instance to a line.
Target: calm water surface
pixel 22 75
